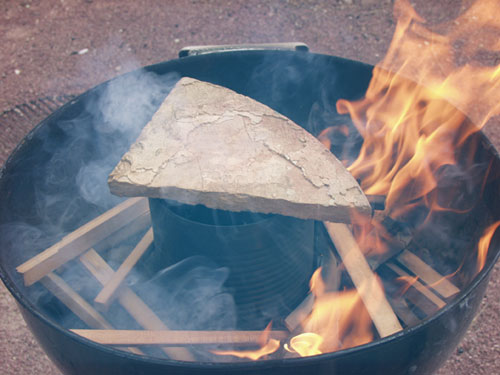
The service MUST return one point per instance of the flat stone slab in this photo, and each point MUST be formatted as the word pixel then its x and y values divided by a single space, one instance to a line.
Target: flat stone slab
pixel 210 145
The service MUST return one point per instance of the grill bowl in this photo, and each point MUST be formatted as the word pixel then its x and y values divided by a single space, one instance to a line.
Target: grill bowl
pixel 300 85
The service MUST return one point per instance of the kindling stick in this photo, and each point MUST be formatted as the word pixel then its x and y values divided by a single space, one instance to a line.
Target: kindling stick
pixel 131 302
pixel 108 292
pixel 176 338
pixel 431 277
pixel 364 279
pixel 403 311
pixel 82 239
pixel 297 316
pixel 423 290
pixel 73 301
pixel 140 224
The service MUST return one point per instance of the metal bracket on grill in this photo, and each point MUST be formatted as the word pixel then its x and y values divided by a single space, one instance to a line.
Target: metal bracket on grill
pixel 201 50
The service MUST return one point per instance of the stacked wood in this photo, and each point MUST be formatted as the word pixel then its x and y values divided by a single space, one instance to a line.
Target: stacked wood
pixel 368 286
pixel 208 145
pixel 108 292
pixel 134 305
pixel 82 239
pixel 430 276
pixel 81 308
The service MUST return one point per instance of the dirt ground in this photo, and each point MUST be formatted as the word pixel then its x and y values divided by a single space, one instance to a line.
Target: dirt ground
pixel 54 48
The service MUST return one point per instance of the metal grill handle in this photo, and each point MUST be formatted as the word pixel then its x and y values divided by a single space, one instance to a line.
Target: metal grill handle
pixel 201 50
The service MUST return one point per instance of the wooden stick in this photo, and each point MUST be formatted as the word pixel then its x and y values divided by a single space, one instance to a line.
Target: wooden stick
pixel 131 302
pixel 108 292
pixel 368 286
pixel 432 278
pixel 74 302
pixel 82 239
pixel 77 304
pixel 176 338
pixel 403 311
pixel 425 291
pixel 297 316
pixel 127 298
pixel 140 224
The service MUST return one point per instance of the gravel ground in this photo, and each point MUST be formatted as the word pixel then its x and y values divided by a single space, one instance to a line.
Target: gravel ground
pixel 53 48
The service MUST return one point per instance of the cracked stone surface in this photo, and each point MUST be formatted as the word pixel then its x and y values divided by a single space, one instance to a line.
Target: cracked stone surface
pixel 209 145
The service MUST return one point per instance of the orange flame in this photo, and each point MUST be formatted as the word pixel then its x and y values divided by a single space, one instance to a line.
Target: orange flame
pixel 267 346
pixel 412 116
pixel 306 344
pixel 333 132
pixel 408 282
pixel 409 130
pixel 370 235
pixel 413 119
pixel 339 320
pixel 484 244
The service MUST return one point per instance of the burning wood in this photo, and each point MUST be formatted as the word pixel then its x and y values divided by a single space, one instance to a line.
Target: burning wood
pixel 432 278
pixel 332 283
pixel 364 279
pixel 297 316
pixel 209 145
pixel 279 175
pixel 82 239
pixel 177 338
pixel 389 237
pixel 267 344
pixel 286 171
pixel 280 145
pixel 105 297
pixel 437 303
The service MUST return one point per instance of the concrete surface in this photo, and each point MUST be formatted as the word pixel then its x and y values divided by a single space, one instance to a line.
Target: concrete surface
pixel 51 48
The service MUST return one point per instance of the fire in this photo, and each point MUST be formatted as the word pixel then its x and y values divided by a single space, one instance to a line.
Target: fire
pixel 408 282
pixel 371 235
pixel 413 120
pixel 305 344
pixel 410 129
pixel 267 346
pixel 339 132
pixel 484 244
pixel 339 320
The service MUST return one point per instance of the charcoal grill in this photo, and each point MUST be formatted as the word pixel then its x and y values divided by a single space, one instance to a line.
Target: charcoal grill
pixel 303 86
